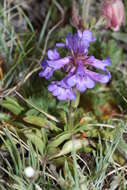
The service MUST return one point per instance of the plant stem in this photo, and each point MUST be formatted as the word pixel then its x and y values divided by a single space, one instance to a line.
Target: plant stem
pixel 70 117
pixel 72 107
pixel 85 10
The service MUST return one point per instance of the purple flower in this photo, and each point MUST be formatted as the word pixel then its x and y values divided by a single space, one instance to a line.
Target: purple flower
pixel 80 79
pixel 76 66
pixel 99 64
pixel 47 71
pixel 79 42
pixel 61 90
pixel 54 62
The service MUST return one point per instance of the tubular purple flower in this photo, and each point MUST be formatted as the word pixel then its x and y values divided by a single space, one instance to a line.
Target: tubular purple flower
pixel 80 79
pixel 102 78
pixel 53 63
pixel 86 36
pixel 53 54
pixel 58 64
pixel 99 64
pixel 77 66
pixel 61 90
pixel 60 45
pixel 80 41
pixel 47 71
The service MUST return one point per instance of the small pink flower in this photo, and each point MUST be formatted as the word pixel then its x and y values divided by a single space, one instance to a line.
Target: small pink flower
pixel 114 12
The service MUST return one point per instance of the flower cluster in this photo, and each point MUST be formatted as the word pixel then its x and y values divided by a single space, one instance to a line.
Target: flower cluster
pixel 78 66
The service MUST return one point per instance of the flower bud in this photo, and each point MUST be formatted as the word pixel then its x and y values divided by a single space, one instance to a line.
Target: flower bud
pixel 114 12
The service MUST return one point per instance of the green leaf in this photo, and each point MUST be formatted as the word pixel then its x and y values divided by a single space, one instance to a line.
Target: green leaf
pixel 71 145
pixel 59 139
pixel 12 105
pixel 114 52
pixel 37 141
pixel 122 147
pixel 4 117
pixel 120 36
pixel 12 101
pixel 41 122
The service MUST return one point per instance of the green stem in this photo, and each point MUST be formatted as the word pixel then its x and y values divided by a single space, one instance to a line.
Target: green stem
pixel 70 117
pixel 85 11
pixel 72 107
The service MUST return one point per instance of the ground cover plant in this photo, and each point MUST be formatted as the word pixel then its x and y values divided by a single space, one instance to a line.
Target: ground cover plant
pixel 63 97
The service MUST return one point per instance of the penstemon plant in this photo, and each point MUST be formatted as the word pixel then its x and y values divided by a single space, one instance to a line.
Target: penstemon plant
pixel 77 66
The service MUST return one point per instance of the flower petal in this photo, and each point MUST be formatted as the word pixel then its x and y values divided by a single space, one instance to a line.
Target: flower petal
pixel 69 41
pixel 44 63
pixel 62 96
pixel 60 45
pixel 53 54
pixel 88 82
pixel 71 81
pixel 52 87
pixel 61 90
pixel 107 61
pixel 71 95
pixel 88 35
pixel 102 78
pixel 81 87
pixel 47 72
pixel 100 64
pixel 66 94
pixel 57 64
